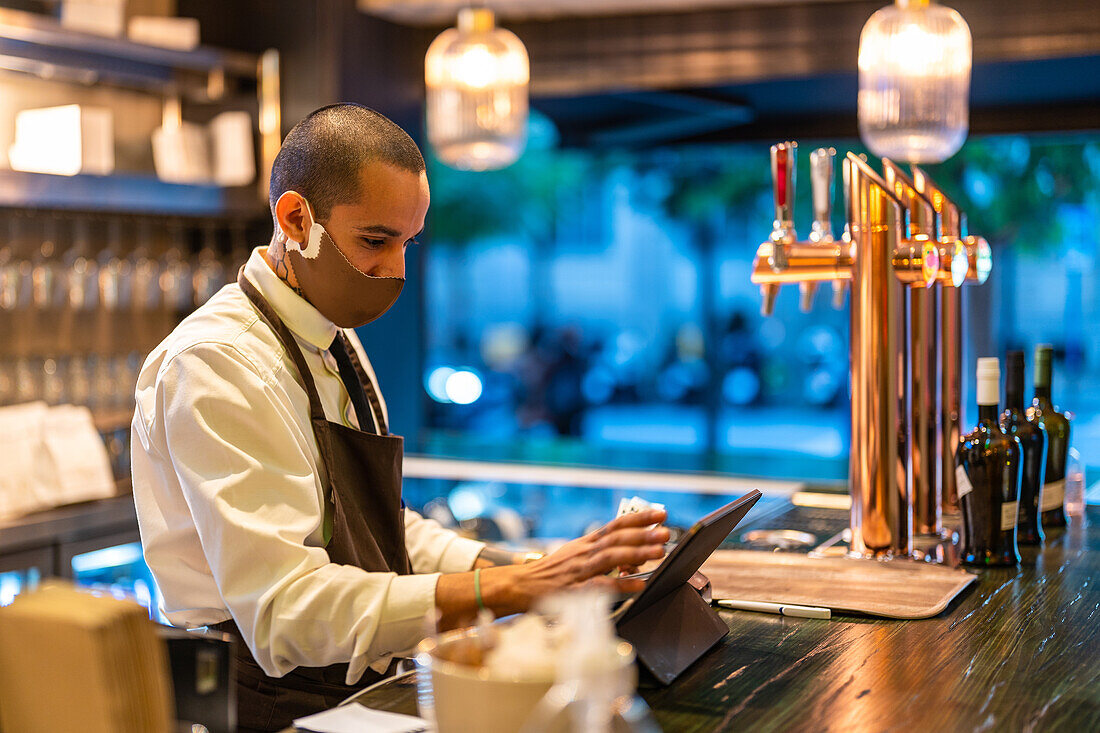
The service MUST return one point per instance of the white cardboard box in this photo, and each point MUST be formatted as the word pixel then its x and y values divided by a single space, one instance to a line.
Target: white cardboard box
pixel 181 34
pixel 234 160
pixel 102 17
pixel 181 154
pixel 64 140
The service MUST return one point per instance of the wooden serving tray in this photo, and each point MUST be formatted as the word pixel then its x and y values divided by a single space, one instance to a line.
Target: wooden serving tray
pixel 895 589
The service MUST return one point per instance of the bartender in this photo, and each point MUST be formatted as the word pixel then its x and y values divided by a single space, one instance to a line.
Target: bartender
pixel 267 482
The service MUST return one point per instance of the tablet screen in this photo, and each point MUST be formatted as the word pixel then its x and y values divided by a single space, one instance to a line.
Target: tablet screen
pixel 689 554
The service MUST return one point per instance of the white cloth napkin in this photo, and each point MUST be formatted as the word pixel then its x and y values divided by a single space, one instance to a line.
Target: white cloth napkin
pixel 51 456
pixel 22 488
pixel 356 718
pixel 82 468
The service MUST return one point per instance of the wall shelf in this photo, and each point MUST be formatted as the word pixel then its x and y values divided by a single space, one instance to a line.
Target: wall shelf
pixel 125 194
pixel 29 35
pixel 39 46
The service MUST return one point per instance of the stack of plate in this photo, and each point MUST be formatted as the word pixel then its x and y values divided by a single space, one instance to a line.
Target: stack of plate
pixel 75 661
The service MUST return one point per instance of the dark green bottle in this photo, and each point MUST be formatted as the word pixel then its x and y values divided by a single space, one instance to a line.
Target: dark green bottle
pixel 1033 449
pixel 987 473
pixel 1056 425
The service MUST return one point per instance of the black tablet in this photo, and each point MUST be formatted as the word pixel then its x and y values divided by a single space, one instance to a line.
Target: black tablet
pixel 688 555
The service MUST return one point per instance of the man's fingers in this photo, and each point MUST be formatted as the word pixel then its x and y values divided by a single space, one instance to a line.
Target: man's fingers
pixel 637 519
pixel 634 536
pixel 610 558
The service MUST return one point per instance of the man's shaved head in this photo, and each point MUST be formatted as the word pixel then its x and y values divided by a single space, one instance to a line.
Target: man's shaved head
pixel 321 158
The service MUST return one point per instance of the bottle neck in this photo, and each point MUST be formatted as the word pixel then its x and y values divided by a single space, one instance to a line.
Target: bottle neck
pixel 1014 381
pixel 988 413
pixel 1042 373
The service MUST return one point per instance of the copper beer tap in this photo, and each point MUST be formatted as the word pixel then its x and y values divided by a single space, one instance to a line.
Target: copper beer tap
pixel 898 245
pixel 925 426
pixel 949 312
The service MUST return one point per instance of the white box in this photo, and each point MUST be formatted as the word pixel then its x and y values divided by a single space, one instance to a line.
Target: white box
pixel 234 157
pixel 64 141
pixel 181 154
pixel 181 34
pixel 102 17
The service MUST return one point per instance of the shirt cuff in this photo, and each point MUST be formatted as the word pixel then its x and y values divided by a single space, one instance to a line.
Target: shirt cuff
pixel 404 620
pixel 460 555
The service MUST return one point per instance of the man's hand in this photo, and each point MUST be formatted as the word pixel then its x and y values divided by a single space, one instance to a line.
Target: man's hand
pixel 625 543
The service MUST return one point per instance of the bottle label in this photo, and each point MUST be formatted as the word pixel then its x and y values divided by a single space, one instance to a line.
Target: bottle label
pixel 1054 494
pixel 1008 515
pixel 962 482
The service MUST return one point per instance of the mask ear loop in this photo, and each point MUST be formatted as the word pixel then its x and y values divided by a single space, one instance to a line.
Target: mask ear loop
pixel 313 240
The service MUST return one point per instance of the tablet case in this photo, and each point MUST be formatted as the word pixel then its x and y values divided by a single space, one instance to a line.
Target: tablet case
pixel 671 634
pixel 668 623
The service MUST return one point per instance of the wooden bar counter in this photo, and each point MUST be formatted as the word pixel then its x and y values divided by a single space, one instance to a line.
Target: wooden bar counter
pixel 1018 650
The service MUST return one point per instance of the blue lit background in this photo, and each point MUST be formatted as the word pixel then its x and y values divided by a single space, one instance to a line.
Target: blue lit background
pixel 602 301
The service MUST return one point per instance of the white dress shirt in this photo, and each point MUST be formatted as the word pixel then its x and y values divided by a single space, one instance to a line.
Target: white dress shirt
pixel 229 501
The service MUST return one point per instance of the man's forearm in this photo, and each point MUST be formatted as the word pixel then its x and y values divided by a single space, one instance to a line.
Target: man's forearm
pixel 456 595
pixel 495 556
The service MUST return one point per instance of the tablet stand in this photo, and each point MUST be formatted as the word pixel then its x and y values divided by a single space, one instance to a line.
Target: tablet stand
pixel 671 633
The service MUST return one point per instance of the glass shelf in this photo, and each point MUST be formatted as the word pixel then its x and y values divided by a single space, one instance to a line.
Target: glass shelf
pixel 125 194
pixel 30 35
pixel 41 47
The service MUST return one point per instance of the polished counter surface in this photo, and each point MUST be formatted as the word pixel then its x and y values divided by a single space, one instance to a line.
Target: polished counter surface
pixel 1018 650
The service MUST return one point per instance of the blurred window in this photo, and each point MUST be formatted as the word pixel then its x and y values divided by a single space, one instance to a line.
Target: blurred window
pixel 596 306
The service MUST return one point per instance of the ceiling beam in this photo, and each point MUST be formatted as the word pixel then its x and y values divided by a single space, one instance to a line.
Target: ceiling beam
pixel 762 42
pixel 444 12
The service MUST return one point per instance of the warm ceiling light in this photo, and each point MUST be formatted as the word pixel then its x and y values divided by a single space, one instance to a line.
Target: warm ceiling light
pixel 914 81
pixel 477 75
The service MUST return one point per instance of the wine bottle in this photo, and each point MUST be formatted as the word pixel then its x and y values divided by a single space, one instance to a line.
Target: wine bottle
pixel 1033 450
pixel 987 473
pixel 1056 425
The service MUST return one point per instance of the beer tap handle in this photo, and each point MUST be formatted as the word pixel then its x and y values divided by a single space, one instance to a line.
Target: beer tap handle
pixel 821 190
pixel 840 287
pixel 784 156
pixel 821 187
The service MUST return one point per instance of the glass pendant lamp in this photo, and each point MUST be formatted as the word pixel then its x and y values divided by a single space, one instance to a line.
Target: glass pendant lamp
pixel 476 77
pixel 914 81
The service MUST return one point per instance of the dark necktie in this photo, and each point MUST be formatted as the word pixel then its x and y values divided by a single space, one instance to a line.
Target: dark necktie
pixel 352 382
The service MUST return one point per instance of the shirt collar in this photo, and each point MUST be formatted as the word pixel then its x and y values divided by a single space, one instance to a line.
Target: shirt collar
pixel 297 313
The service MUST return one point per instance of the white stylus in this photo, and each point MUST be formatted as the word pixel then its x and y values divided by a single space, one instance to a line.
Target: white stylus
pixel 783 609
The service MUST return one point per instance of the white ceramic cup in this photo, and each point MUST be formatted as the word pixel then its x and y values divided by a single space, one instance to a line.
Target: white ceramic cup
pixel 462 696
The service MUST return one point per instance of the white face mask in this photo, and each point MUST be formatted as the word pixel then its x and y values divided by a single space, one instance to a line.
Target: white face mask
pixel 343 293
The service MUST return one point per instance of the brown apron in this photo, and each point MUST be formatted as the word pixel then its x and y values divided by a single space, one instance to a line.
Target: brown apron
pixel 360 472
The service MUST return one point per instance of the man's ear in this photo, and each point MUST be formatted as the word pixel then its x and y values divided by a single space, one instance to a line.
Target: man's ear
pixel 290 213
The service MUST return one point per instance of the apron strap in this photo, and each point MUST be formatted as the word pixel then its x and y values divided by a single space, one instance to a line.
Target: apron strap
pixel 316 410
pixel 368 386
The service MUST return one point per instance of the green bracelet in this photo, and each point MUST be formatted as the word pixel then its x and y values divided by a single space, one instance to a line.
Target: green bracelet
pixel 477 590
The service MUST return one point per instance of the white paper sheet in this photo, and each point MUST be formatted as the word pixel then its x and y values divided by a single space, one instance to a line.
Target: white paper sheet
pixel 82 469
pixel 355 718
pixel 22 489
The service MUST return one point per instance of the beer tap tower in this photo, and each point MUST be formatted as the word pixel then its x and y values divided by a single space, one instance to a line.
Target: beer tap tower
pixel 903 256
